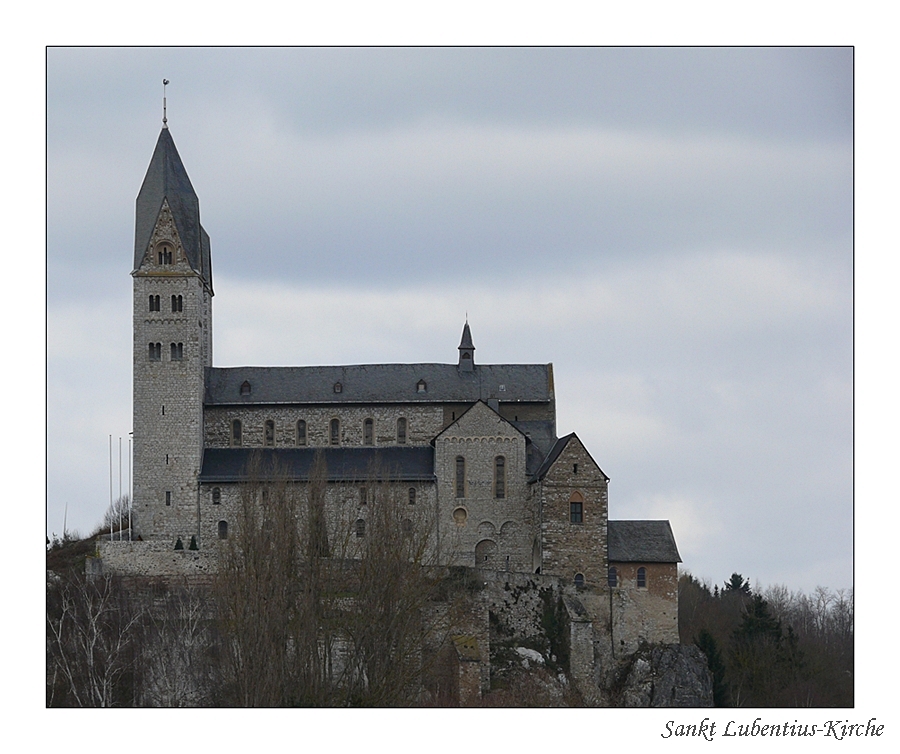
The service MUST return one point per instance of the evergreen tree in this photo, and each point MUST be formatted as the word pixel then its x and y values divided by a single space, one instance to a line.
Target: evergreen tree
pixel 708 645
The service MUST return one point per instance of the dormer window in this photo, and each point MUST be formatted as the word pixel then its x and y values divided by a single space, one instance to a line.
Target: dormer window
pixel 245 388
pixel 338 387
pixel 421 386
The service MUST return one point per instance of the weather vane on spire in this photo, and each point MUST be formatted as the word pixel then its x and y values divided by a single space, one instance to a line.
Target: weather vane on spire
pixel 165 83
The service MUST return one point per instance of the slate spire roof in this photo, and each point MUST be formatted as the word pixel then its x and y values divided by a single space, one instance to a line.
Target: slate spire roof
pixel 167 180
pixel 466 341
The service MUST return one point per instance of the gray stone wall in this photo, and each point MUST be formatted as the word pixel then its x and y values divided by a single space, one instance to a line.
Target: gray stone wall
pixel 485 530
pixel 168 393
pixel 570 548
pixel 422 424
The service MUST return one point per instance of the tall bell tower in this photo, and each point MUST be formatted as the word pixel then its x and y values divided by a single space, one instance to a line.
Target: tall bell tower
pixel 172 312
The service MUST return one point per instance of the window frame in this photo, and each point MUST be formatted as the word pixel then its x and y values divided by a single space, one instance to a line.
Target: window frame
pixel 500 477
pixel 269 438
pixel 460 479
pixel 237 433
pixel 334 431
pixel 368 432
pixel 402 430
pixel 641 578
pixel 301 438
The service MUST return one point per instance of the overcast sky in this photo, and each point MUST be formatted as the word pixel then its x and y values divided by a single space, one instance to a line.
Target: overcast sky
pixel 671 228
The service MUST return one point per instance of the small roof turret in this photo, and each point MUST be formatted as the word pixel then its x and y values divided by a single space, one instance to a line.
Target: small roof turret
pixel 466 350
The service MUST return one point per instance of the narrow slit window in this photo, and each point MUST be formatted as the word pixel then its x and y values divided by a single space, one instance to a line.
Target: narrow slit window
pixel 216 495
pixel 236 433
pixel 360 527
pixel 412 495
pixel 301 432
pixel 401 431
pixel 363 496
pixel 369 432
pixel 270 433
pixel 500 477
pixel 460 476
pixel 335 432
pixel 168 497
pixel 612 577
pixel 642 578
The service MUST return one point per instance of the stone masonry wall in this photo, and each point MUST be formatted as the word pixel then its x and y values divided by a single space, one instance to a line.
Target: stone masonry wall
pixel 571 548
pixel 483 529
pixel 422 424
pixel 168 393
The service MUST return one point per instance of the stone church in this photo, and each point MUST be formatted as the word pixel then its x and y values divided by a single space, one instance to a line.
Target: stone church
pixel 474 444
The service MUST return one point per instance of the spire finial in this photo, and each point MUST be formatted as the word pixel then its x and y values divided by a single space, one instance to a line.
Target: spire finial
pixel 165 122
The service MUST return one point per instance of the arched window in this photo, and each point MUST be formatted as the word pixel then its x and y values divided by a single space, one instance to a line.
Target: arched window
pixel 412 495
pixel 155 352
pixel 360 527
pixel 301 432
pixel 154 303
pixel 579 580
pixel 223 530
pixel 216 495
pixel 270 433
pixel 245 388
pixel 177 351
pixel 401 431
pixel 612 577
pixel 363 496
pixel 164 255
pixel 460 476
pixel 177 303
pixel 576 508
pixel 236 433
pixel 369 432
pixel 642 578
pixel 500 477
pixel 335 432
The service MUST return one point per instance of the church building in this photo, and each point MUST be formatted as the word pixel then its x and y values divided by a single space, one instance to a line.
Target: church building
pixel 474 444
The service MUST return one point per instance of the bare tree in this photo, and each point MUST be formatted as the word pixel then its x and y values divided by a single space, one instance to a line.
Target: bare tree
pixel 321 598
pixel 91 627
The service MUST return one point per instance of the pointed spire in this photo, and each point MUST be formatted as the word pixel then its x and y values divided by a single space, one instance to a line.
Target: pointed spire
pixel 466 350
pixel 167 181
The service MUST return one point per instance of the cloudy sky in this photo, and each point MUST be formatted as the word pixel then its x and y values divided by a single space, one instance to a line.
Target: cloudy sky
pixel 671 228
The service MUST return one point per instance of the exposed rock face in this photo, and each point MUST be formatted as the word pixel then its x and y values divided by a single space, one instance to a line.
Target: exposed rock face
pixel 665 675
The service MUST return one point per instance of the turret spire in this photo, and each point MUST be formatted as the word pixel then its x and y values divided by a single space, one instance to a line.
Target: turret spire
pixel 466 350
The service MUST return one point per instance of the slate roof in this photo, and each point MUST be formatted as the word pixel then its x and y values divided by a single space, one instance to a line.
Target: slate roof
pixel 466 340
pixel 641 542
pixel 167 179
pixel 409 464
pixel 379 383
pixel 551 457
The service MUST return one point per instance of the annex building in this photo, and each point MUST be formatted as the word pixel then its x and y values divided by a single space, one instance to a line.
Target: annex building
pixel 474 444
